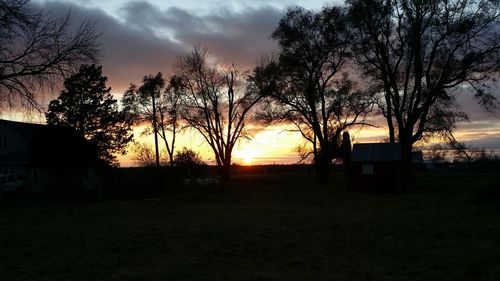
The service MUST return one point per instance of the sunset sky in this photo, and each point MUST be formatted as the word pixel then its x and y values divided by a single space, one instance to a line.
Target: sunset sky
pixel 144 37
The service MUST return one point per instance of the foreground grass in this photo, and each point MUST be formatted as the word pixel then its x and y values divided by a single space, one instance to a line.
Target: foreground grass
pixel 446 228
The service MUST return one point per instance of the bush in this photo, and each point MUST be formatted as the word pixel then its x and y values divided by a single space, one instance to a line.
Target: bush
pixel 188 158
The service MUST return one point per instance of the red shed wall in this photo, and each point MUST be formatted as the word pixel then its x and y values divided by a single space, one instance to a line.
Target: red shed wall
pixel 385 177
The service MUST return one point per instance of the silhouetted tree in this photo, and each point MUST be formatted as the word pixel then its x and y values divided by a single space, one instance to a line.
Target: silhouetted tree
pixel 144 155
pixel 461 150
pixel 216 104
pixel 188 158
pixel 168 122
pixel 37 50
pixel 87 105
pixel 305 85
pixel 420 53
pixel 467 153
pixel 437 152
pixel 142 104
pixel 158 104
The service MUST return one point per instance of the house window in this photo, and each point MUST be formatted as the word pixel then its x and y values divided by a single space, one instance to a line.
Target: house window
pixel 367 169
pixel 3 143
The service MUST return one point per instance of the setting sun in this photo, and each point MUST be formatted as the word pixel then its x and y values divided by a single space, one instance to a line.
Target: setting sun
pixel 246 156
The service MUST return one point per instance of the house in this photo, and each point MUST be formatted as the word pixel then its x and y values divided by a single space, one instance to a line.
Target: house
pixel 376 166
pixel 50 158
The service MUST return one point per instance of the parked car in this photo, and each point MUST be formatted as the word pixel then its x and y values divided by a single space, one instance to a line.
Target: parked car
pixel 12 183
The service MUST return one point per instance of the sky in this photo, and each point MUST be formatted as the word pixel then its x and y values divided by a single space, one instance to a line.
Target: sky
pixel 145 37
pixel 142 37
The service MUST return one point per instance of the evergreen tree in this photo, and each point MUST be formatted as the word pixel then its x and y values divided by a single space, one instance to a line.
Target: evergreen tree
pixel 87 105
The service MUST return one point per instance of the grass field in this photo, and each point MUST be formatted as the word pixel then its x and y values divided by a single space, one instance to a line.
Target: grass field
pixel 276 228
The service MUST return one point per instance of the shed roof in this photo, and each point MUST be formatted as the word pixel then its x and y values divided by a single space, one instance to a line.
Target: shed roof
pixel 376 152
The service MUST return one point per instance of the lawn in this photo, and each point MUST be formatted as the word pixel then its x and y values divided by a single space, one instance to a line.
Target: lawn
pixel 265 228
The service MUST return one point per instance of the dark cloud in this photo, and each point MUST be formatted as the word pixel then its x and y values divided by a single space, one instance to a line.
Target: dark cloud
pixel 129 53
pixel 240 37
pixel 144 39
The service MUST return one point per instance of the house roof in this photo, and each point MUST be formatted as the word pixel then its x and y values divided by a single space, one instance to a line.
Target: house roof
pixel 23 129
pixel 376 152
pixel 50 145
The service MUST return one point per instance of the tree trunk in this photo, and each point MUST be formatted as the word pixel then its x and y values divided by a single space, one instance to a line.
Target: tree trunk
pixel 225 172
pixel 392 137
pixel 155 130
pixel 390 125
pixel 406 160
pixel 346 156
pixel 323 169
pixel 171 158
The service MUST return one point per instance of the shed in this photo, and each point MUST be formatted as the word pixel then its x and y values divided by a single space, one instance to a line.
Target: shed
pixel 376 166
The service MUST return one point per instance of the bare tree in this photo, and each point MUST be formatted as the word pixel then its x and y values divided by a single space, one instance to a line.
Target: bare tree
pixel 216 104
pixel 158 104
pixel 169 115
pixel 37 51
pixel 142 104
pixel 437 152
pixel 420 53
pixel 145 156
pixel 305 85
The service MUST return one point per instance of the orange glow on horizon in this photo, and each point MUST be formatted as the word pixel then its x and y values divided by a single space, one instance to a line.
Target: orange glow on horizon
pixel 272 145
pixel 246 156
pixel 275 144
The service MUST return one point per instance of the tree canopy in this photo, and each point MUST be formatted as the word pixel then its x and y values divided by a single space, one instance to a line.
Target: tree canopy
pixel 87 105
pixel 215 103
pixel 157 103
pixel 420 54
pixel 141 103
pixel 307 84
pixel 38 50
